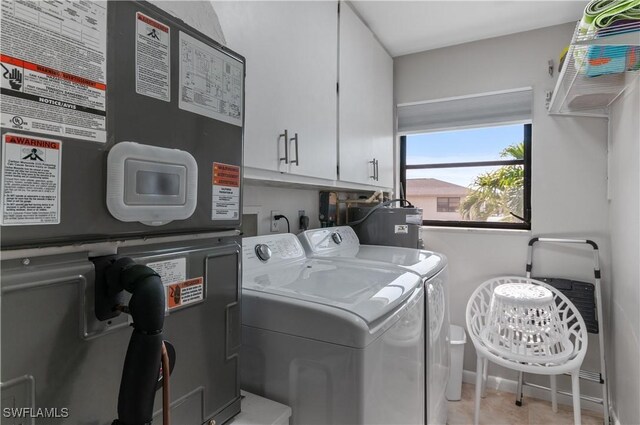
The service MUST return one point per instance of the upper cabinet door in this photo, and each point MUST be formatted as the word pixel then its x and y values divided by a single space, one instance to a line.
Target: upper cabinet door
pixel 355 99
pixel 365 105
pixel 382 125
pixel 291 65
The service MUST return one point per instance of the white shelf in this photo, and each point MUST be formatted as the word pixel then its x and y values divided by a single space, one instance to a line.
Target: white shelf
pixel 584 87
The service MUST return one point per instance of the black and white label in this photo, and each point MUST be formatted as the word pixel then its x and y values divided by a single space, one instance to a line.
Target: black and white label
pixel 54 68
pixel 401 229
pixel 30 180
pixel 210 81
pixel 152 58
pixel 170 271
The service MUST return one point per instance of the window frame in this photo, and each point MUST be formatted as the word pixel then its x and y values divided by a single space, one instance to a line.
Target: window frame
pixel 526 163
pixel 448 198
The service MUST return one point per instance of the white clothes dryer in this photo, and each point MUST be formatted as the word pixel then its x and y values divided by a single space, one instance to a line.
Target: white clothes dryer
pixel 339 343
pixel 342 243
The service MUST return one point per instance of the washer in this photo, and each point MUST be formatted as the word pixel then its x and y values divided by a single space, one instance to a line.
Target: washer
pixel 340 343
pixel 342 243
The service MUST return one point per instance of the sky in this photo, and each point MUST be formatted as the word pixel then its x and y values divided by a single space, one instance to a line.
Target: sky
pixel 478 144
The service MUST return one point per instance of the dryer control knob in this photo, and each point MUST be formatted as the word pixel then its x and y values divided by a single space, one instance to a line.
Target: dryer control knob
pixel 337 237
pixel 263 252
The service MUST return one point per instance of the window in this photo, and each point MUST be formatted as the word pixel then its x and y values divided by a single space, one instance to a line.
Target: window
pixel 476 148
pixel 471 177
pixel 448 204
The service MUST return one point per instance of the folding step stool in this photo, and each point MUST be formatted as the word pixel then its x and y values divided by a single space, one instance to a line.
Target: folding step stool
pixel 579 294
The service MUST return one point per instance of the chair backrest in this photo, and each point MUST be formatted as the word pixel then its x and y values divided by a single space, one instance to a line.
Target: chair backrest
pixel 477 316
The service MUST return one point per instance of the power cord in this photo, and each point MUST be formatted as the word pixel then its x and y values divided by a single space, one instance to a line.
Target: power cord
pixel 380 205
pixel 279 216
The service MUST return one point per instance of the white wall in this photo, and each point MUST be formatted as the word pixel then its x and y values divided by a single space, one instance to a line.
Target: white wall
pixel 198 14
pixel 624 213
pixel 569 159
pixel 264 199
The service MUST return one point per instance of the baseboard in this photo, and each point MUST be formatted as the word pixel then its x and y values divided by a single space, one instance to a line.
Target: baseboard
pixel 614 417
pixel 509 386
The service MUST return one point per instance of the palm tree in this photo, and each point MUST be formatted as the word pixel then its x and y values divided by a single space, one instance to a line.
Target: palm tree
pixel 498 192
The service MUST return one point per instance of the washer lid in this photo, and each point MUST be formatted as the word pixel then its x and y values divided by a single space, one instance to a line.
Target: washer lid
pixel 324 243
pixel 371 292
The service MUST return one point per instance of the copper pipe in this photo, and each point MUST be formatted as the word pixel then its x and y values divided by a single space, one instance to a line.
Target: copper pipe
pixel 165 386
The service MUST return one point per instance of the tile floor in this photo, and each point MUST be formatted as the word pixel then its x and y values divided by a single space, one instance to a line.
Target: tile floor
pixel 498 408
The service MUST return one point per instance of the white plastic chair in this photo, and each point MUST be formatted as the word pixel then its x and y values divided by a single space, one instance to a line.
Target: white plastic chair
pixel 571 322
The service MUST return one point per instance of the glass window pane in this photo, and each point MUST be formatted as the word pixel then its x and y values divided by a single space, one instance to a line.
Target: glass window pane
pixel 477 144
pixel 485 194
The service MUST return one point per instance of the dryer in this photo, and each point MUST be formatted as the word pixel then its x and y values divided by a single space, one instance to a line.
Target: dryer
pixel 342 244
pixel 339 342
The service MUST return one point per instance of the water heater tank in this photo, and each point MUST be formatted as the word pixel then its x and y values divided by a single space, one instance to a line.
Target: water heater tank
pixel 388 226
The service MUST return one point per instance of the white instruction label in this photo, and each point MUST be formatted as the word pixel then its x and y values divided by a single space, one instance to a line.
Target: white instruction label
pixel 210 82
pixel 170 271
pixel 401 229
pixel 152 58
pixel 414 219
pixel 225 192
pixel 54 69
pixel 30 180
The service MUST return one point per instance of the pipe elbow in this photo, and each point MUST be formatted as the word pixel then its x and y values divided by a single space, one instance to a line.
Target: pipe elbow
pixel 147 303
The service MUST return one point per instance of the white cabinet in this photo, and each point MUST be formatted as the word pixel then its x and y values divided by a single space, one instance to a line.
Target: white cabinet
pixel 365 105
pixel 382 116
pixel 291 65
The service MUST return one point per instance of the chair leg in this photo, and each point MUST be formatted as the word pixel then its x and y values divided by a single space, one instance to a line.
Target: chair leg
pixel 519 389
pixel 485 375
pixel 554 397
pixel 476 416
pixel 575 390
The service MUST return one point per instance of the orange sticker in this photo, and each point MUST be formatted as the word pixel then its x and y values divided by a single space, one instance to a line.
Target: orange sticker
pixel 184 293
pixel 226 175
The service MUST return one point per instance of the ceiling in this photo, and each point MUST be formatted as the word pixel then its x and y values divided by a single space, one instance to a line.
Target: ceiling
pixel 406 27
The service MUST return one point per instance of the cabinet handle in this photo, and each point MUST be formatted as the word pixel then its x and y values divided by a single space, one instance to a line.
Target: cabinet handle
pixel 373 166
pixel 377 170
pixel 297 160
pixel 286 146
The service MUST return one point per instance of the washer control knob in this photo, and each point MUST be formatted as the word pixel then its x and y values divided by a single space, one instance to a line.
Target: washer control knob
pixel 337 238
pixel 263 252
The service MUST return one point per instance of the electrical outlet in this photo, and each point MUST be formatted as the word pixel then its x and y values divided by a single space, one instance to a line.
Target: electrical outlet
pixel 274 223
pixel 301 213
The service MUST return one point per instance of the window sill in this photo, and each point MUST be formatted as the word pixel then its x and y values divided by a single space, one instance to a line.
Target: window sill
pixel 477 230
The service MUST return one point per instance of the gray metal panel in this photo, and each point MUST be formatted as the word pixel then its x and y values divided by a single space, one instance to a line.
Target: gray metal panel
pixel 135 118
pixel 43 321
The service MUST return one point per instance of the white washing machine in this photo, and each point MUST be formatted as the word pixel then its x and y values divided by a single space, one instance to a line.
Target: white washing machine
pixel 341 243
pixel 338 342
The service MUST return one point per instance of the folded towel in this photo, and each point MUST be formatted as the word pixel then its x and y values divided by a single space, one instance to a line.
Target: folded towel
pixel 602 18
pixel 603 60
pixel 604 13
pixel 633 58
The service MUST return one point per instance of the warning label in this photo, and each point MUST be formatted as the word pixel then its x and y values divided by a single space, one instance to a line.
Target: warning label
pixel 152 58
pixel 30 181
pixel 226 192
pixel 184 293
pixel 210 81
pixel 63 94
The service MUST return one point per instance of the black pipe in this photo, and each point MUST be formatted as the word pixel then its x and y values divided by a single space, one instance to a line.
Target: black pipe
pixel 142 361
